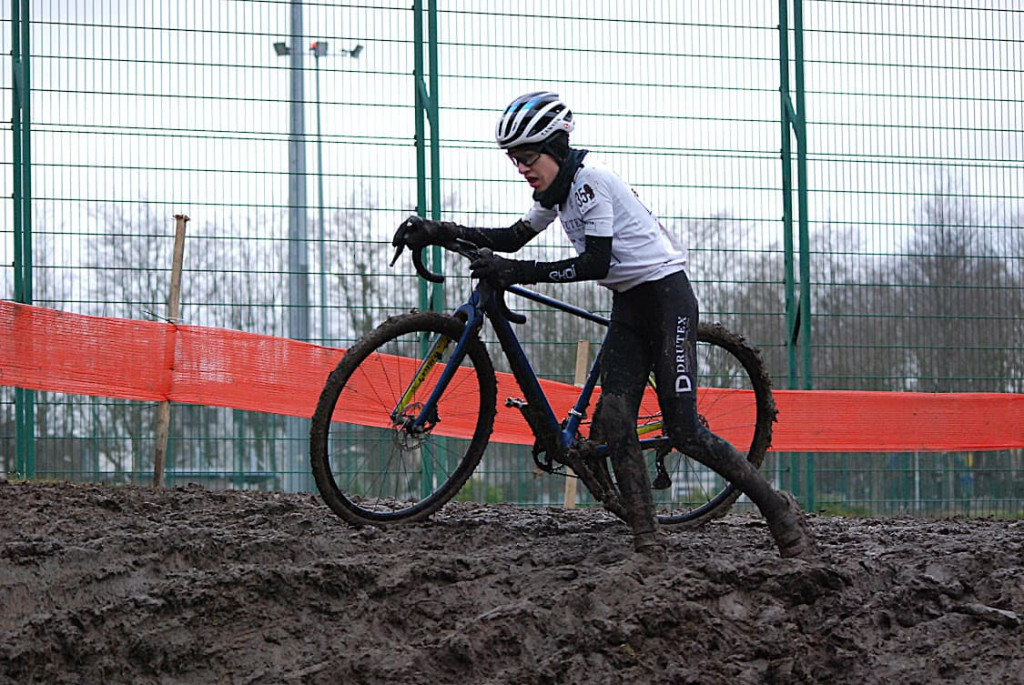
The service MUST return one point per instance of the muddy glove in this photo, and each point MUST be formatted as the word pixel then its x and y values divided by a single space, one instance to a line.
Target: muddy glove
pixel 501 272
pixel 417 232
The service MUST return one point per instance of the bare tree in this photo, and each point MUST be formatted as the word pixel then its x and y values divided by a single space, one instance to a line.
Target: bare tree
pixel 223 286
pixel 959 299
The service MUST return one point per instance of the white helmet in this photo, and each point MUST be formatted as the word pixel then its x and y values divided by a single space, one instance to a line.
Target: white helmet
pixel 531 119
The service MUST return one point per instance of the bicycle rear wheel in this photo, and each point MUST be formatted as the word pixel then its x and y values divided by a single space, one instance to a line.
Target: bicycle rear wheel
pixel 734 399
pixel 370 463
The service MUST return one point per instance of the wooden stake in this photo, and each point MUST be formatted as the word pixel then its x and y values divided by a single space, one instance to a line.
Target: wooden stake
pixel 579 378
pixel 163 412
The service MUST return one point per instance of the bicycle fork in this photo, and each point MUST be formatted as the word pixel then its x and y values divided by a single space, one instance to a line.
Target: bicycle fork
pixel 427 416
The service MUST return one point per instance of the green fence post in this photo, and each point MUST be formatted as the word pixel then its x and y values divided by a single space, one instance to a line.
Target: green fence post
pixel 421 113
pixel 798 309
pixel 805 238
pixel 21 120
pixel 786 116
pixel 431 295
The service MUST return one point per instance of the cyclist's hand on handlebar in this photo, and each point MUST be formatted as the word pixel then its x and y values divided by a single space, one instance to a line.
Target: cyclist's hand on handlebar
pixel 501 272
pixel 417 232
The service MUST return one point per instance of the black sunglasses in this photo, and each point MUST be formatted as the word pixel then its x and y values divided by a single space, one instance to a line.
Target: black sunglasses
pixel 526 158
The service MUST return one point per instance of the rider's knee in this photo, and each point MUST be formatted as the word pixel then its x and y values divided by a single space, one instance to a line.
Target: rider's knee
pixel 706 447
pixel 692 437
pixel 613 411
pixel 612 417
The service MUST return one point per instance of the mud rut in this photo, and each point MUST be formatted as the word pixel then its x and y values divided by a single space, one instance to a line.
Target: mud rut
pixel 103 584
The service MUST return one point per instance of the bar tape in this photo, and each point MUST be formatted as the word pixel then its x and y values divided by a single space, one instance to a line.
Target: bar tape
pixel 55 351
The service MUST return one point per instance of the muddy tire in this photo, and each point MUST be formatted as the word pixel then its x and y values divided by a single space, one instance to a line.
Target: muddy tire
pixel 368 467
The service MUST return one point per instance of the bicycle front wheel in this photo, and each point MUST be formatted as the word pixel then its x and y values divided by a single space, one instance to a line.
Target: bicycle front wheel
pixel 378 456
pixel 734 400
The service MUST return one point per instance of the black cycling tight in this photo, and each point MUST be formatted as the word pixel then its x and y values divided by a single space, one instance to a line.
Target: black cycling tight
pixel 654 327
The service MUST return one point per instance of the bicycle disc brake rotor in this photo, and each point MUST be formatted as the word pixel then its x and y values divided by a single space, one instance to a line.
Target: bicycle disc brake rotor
pixel 408 436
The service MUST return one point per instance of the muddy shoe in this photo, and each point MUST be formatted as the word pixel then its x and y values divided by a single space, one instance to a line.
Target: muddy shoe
pixel 790 530
pixel 651 546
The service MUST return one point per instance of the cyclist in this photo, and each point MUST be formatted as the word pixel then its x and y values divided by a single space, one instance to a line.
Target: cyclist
pixel 622 246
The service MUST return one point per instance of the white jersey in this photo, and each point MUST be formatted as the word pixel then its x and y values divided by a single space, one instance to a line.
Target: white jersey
pixel 601 204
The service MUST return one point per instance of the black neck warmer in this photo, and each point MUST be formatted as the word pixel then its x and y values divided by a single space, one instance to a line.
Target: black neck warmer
pixel 559 188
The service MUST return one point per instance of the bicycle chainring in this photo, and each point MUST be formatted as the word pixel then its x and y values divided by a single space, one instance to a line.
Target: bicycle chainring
pixel 544 461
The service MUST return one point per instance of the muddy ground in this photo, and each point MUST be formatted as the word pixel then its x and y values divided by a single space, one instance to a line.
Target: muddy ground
pixel 103 584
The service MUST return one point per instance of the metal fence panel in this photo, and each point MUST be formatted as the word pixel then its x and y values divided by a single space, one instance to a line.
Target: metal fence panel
pixel 141 111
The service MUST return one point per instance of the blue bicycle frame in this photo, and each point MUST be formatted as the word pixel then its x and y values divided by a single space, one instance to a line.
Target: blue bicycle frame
pixel 553 436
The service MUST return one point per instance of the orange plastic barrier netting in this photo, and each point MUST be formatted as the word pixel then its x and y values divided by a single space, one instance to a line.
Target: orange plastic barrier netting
pixel 45 349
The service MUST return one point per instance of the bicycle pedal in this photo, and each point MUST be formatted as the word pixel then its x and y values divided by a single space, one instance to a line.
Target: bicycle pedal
pixel 515 402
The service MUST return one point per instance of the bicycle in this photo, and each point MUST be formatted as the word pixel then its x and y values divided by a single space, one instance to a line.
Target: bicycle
pixel 384 444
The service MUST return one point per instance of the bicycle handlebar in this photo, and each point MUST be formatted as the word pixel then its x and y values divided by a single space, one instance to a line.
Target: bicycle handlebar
pixel 422 270
pixel 468 250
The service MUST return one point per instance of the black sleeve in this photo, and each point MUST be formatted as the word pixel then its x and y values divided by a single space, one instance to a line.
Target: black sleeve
pixel 499 239
pixel 590 265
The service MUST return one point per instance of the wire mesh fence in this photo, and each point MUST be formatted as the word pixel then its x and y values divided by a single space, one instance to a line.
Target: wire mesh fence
pixel 296 162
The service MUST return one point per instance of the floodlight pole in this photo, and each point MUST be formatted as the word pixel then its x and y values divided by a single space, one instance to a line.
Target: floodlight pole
pixel 297 474
pixel 298 262
pixel 298 256
pixel 319 49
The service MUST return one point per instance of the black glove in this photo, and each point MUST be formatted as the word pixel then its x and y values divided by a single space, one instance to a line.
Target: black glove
pixel 501 272
pixel 417 232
